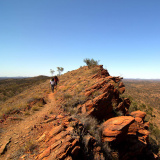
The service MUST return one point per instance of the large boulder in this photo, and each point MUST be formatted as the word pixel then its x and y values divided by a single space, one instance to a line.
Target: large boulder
pixel 115 129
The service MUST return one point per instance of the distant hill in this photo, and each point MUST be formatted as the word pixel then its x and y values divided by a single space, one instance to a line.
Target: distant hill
pixel 19 77
pixel 2 78
pixel 139 79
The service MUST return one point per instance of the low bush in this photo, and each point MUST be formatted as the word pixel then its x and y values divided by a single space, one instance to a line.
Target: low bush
pixel 90 62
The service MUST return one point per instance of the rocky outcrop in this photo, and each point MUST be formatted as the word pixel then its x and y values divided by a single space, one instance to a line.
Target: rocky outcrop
pixel 128 135
pixel 102 73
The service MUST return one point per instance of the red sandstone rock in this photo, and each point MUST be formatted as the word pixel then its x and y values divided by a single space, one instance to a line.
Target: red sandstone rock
pixel 55 130
pixel 116 128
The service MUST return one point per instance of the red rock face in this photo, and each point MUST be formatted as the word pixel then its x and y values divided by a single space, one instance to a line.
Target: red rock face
pixel 101 106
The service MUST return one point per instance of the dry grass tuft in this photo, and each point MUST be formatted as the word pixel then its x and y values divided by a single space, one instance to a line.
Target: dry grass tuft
pixel 30 146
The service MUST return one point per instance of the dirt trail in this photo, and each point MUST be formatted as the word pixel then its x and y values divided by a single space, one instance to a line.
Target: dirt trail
pixel 18 131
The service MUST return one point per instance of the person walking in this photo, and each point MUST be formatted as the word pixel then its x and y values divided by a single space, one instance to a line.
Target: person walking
pixel 56 80
pixel 52 82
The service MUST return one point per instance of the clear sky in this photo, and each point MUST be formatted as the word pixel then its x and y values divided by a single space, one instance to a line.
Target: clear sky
pixel 39 35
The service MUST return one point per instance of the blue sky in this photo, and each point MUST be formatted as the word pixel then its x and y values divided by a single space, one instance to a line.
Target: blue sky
pixel 39 35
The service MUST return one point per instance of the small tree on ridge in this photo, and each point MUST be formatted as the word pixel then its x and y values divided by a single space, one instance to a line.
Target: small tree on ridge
pixel 60 69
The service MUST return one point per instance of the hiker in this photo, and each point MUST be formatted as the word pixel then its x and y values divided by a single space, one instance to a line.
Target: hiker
pixel 52 82
pixel 56 80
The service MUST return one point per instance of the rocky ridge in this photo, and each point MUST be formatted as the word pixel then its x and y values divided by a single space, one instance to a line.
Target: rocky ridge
pixel 125 134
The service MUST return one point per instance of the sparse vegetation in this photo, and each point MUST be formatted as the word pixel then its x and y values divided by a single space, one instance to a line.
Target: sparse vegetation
pixel 12 87
pixel 144 91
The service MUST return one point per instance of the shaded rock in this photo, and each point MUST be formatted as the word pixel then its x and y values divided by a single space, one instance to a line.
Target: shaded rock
pixel 75 151
pixel 101 106
pixel 3 148
pixel 124 106
pixel 68 158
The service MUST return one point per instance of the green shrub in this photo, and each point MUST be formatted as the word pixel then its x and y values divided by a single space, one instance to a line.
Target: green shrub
pixel 90 62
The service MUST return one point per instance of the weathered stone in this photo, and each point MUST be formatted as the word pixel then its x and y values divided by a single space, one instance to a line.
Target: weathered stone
pixel 60 152
pixel 46 153
pixel 138 114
